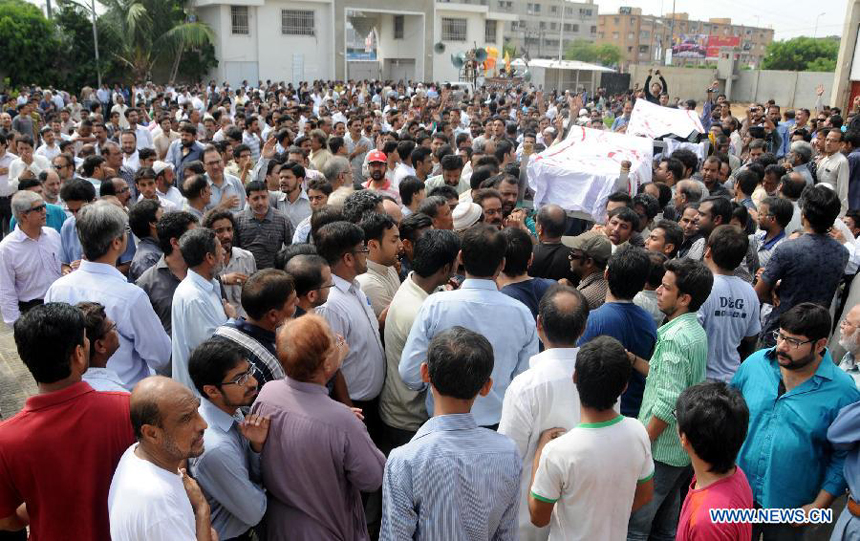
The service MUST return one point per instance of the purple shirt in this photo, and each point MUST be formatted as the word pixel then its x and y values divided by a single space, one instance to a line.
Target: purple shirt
pixel 316 460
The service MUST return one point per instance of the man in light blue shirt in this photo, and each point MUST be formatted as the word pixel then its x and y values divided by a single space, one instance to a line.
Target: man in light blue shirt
pixel 794 392
pixel 477 497
pixel 479 306
pixel 227 190
pixel 228 471
pixel 185 150
pixel 143 344
pixel 844 434
pixel 197 308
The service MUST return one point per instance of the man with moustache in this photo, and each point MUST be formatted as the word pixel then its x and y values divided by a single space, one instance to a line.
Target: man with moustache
pixel 850 340
pixel 794 392
pixel 293 200
pixel 377 166
pixel 229 468
pixel 150 496
pixel 490 201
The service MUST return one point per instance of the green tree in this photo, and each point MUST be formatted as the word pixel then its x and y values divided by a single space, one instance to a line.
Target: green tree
pixel 77 67
pixel 30 44
pixel 154 33
pixel 802 54
pixel 585 51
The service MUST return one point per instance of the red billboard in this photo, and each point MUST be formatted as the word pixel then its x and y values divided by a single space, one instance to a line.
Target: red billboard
pixel 715 42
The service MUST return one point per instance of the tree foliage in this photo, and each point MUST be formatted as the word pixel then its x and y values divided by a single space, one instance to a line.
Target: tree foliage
pixel 30 43
pixel 802 54
pixel 585 51
pixel 77 53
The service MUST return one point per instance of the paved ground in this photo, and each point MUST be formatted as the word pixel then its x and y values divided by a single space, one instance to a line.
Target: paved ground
pixel 16 384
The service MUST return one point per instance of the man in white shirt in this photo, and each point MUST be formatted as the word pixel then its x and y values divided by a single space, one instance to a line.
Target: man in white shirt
pixel 142 133
pixel 544 396
pixel 164 184
pixel 28 164
pixel 128 144
pixel 381 281
pixel 29 257
pixel 7 188
pixel 120 108
pixel 144 346
pixel 197 308
pixel 150 496
pixel 49 149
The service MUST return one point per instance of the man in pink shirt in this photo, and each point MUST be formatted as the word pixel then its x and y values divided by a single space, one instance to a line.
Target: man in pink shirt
pixel 712 422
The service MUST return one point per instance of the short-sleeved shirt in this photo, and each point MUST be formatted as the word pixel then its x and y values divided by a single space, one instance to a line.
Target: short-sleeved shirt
pixel 591 474
pixel 730 314
pixel 732 492
pixel 263 238
pixel 58 456
pixel 159 283
pixel 634 328
pixel 550 261
pixel 594 288
pixel 529 292
pixel 810 268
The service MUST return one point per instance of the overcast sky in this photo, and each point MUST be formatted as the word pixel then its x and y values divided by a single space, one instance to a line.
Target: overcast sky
pixel 788 18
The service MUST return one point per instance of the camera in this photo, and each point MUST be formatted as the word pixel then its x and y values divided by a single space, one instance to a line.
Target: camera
pixel 709 90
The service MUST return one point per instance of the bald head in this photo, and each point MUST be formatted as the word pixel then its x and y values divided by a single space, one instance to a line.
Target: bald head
pixel 393 210
pixel 562 315
pixel 551 221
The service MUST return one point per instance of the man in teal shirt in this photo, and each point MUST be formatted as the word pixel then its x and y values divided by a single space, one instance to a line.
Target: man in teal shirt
pixel 794 391
pixel 679 361
pixel 55 214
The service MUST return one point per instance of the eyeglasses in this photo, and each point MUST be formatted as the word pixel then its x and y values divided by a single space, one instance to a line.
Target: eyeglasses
pixel 37 208
pixel 575 257
pixel 326 286
pixel 363 250
pixel 243 378
pixel 794 343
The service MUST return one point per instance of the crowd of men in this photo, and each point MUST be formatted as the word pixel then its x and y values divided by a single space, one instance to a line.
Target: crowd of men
pixel 329 311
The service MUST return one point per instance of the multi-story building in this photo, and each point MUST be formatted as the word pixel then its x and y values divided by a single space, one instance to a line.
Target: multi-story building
pixel 543 25
pixel 345 39
pixel 649 38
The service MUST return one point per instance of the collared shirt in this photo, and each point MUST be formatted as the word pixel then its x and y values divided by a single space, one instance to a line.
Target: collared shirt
pixel 786 455
pixel 49 152
pixel 296 211
pixel 72 250
pixel 160 283
pixel 303 231
pixel 178 158
pixel 263 238
pixel 241 261
pixel 844 436
pixel 540 398
pixel 104 379
pixel 147 254
pixel 259 345
pixel 7 188
pixel 399 406
pixel 379 283
pixel 834 170
pixel 594 288
pixel 679 361
pixel 143 344
pixel 230 185
pixel 387 188
pixel 647 300
pixel 349 313
pixel 197 213
pixel 28 267
pixel 358 161
pixel 479 306
pixel 131 161
pixel 196 313
pixel 849 365
pixel 418 503
pixel 229 473
pixel 174 196
pixel 253 142
pixel 402 171
pixel 765 248
pixel 17 167
pixel 331 460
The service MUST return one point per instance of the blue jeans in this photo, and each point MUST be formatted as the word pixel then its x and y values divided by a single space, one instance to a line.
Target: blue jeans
pixel 658 519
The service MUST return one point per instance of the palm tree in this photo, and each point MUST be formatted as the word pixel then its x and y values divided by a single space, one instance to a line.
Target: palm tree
pixel 152 32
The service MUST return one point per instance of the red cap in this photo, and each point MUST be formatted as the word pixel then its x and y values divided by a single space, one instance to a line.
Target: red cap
pixel 377 156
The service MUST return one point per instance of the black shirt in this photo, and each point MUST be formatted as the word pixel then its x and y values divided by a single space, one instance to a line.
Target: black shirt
pixel 551 261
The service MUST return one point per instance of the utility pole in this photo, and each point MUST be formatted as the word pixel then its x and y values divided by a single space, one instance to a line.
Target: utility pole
pixel 96 44
pixel 48 10
pixel 672 30
pixel 561 32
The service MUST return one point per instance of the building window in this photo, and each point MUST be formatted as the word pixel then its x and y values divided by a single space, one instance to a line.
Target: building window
pixel 629 35
pixel 453 29
pixel 615 35
pixel 644 34
pixel 584 12
pixel 643 49
pixel 543 25
pixel 553 9
pixel 297 22
pixel 593 29
pixel 490 31
pixel 398 26
pixel 600 35
pixel 239 18
pixel 553 26
pixel 537 9
pixel 616 20
pixel 575 28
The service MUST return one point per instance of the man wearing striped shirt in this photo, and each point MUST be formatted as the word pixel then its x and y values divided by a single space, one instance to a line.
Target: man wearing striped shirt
pixel 679 361
pixel 478 495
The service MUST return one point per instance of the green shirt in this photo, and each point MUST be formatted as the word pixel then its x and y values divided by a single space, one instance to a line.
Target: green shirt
pixel 678 362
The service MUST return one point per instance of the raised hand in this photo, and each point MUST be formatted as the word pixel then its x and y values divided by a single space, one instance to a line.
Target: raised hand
pixel 255 429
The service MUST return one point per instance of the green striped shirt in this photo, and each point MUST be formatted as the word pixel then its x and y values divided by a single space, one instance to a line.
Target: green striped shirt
pixel 679 361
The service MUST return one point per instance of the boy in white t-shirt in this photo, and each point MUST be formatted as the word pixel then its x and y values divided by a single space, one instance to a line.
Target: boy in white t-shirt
pixel 586 482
